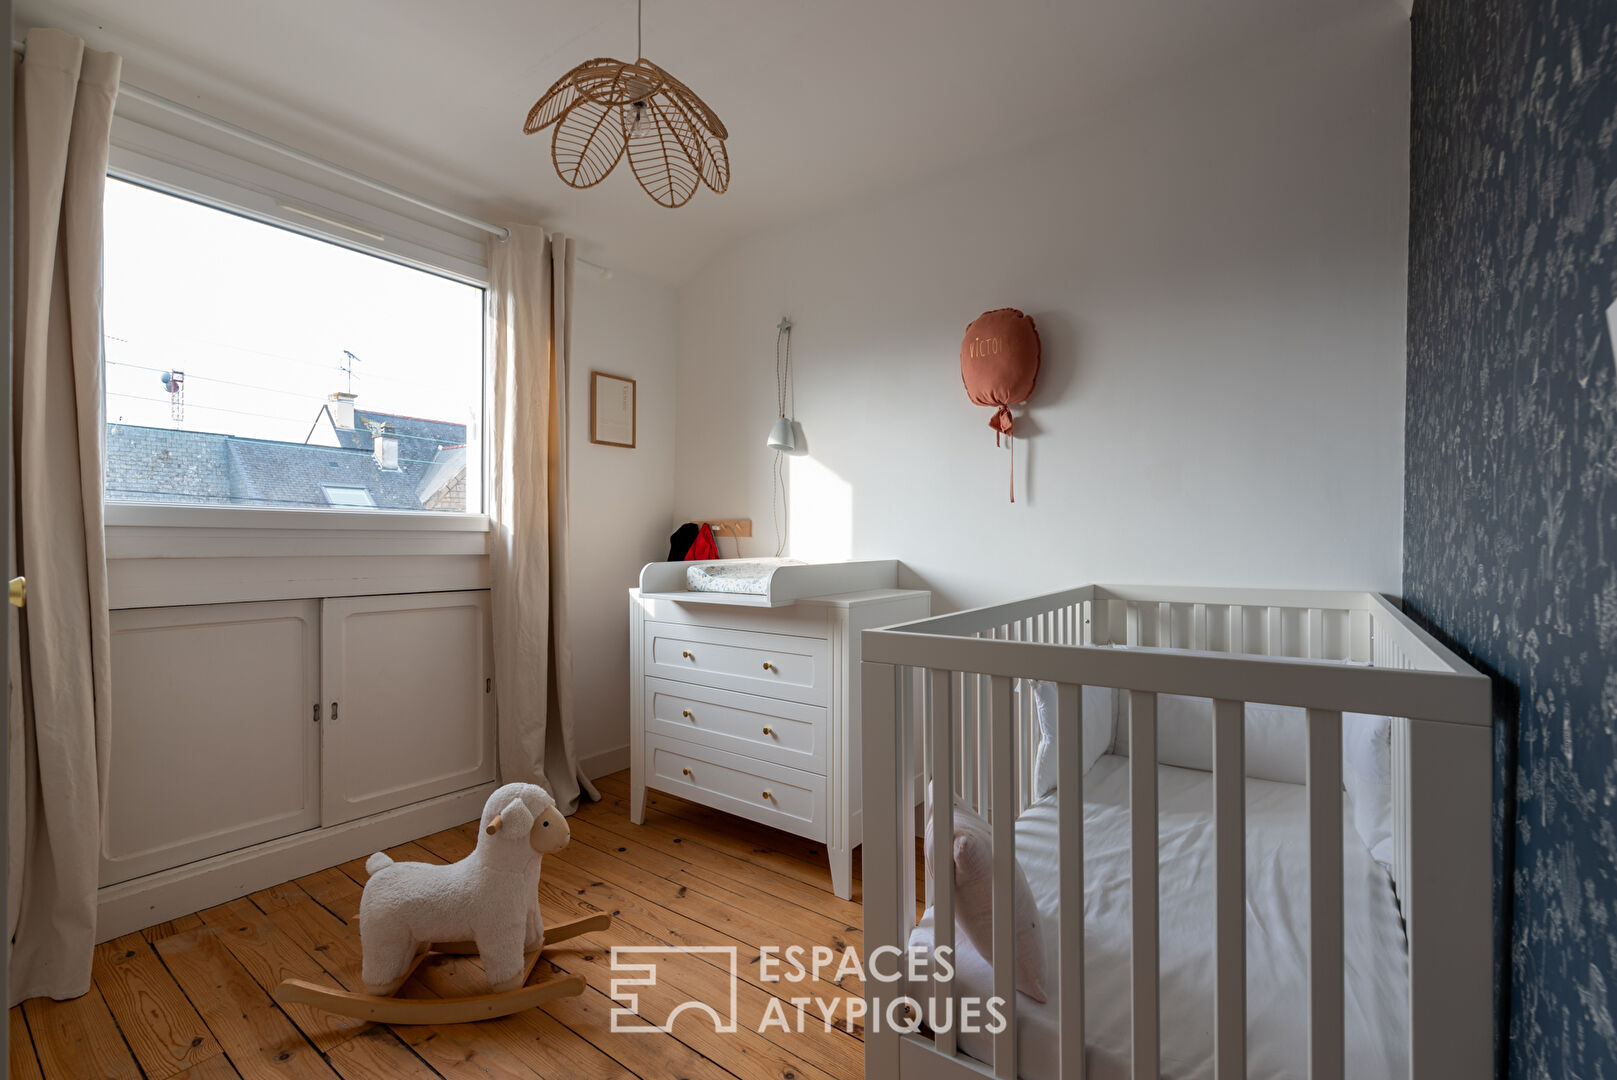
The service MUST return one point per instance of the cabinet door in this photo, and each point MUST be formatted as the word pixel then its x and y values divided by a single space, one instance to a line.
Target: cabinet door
pixel 214 744
pixel 410 710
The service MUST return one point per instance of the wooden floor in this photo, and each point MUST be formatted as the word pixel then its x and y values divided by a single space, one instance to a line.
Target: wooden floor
pixel 192 998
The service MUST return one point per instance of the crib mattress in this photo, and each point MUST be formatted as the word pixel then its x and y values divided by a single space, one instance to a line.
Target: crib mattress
pixel 746 576
pixel 1277 928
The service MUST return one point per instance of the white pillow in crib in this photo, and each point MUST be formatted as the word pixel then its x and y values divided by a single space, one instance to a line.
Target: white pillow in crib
pixel 974 897
pixel 1099 721
pixel 1367 775
pixel 1277 749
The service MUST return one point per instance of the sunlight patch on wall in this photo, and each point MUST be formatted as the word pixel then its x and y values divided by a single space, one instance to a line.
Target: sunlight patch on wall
pixel 819 515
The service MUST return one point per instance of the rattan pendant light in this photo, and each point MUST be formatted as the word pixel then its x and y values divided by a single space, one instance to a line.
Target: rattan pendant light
pixel 604 108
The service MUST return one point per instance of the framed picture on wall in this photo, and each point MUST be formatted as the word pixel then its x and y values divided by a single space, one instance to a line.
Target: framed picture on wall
pixel 611 410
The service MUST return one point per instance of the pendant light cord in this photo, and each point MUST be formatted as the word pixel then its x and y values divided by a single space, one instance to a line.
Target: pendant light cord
pixel 783 369
pixel 639 29
pixel 785 388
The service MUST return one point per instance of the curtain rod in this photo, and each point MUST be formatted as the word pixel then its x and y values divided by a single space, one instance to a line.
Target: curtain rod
pixel 158 101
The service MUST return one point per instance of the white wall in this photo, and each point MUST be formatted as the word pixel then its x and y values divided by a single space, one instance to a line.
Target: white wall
pixel 622 500
pixel 1218 276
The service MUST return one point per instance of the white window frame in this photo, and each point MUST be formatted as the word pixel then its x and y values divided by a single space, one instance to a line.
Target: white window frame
pixel 224 180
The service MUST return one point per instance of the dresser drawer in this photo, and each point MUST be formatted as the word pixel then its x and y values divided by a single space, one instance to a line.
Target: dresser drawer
pixel 774 665
pixel 766 728
pixel 762 791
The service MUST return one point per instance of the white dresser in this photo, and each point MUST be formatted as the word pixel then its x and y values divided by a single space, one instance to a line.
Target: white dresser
pixel 750 704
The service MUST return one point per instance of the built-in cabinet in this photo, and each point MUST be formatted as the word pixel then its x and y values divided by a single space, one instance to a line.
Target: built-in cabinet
pixel 214 740
pixel 407 684
pixel 236 726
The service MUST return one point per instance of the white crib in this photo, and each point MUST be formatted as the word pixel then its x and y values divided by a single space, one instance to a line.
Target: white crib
pixel 939 700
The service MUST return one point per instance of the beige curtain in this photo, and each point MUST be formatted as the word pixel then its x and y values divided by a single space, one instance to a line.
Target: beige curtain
pixel 530 321
pixel 59 673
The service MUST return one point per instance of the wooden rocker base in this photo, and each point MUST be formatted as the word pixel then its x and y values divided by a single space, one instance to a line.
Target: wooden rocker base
pixel 458 1010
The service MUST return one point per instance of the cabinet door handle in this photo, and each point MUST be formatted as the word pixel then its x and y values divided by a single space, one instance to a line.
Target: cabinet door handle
pixel 768 666
pixel 333 712
pixel 687 772
pixel 768 795
pixel 686 713
pixel 768 730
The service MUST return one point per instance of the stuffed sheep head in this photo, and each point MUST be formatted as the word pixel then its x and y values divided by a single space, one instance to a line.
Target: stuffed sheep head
pixel 519 813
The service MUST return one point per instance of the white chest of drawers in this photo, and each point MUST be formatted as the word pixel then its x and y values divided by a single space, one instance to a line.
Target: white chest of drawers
pixel 754 710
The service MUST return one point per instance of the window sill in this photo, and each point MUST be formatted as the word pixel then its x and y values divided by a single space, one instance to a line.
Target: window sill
pixel 173 516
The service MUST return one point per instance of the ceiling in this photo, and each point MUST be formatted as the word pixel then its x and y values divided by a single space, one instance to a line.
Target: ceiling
pixel 824 99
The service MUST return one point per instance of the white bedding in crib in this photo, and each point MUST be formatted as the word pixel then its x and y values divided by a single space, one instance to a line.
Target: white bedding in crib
pixel 1277 928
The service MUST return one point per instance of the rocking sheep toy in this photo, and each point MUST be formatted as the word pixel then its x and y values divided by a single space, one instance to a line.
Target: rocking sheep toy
pixel 487 903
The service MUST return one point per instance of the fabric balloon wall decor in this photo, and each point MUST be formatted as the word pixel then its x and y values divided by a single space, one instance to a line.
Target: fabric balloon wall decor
pixel 999 363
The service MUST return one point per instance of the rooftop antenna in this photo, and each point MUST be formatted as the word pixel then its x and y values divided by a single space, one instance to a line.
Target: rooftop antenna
pixel 347 368
pixel 174 381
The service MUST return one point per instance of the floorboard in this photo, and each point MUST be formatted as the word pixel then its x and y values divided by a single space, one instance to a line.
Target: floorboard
pixel 157 1020
pixel 192 998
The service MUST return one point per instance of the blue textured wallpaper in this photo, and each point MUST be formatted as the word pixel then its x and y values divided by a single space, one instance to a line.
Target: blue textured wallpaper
pixel 1510 534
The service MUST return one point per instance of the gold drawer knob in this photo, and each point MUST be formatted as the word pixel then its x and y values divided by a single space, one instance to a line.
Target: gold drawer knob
pixel 686 713
pixel 687 772
pixel 768 730
pixel 768 795
pixel 687 654
pixel 768 666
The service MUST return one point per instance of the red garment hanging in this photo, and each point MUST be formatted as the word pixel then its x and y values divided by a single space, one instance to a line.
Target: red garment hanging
pixel 704 547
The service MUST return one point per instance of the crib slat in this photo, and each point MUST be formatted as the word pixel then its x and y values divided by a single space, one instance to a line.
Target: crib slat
pixel 923 721
pixel 1359 649
pixel 1003 800
pixel 1070 843
pixel 1229 828
pixel 1325 995
pixel 883 919
pixel 942 728
pixel 1143 871
pixel 985 721
pixel 908 757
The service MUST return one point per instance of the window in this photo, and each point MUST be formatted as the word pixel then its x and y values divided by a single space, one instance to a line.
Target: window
pixel 347 496
pixel 250 365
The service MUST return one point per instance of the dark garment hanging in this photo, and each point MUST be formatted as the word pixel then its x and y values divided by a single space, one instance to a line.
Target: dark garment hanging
pixel 682 539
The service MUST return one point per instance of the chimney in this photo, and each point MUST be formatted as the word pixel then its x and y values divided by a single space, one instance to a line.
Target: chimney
pixel 385 448
pixel 342 409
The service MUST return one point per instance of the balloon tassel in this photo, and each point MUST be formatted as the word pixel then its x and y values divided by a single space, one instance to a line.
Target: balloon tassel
pixel 1012 442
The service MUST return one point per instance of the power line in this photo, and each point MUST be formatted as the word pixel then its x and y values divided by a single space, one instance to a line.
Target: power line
pixel 303 361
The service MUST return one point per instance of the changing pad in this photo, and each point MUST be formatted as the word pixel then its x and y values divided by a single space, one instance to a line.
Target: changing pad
pixel 749 576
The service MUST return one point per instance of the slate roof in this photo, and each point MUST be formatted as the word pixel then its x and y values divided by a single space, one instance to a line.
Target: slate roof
pixel 147 464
